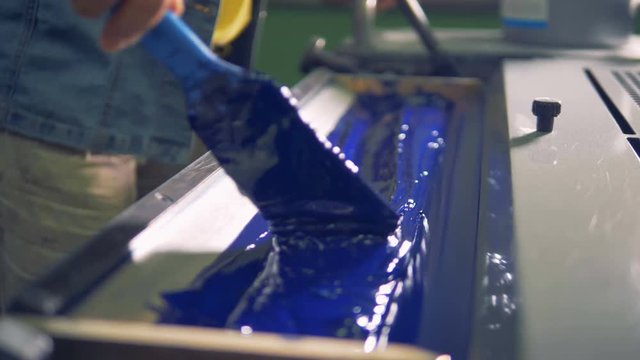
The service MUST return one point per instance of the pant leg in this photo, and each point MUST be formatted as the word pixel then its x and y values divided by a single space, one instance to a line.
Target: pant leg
pixel 151 174
pixel 3 287
pixel 52 200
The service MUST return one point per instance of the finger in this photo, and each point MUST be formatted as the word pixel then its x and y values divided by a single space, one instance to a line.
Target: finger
pixel 131 21
pixel 92 8
pixel 177 7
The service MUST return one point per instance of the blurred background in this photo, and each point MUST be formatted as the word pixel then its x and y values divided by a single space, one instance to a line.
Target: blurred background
pixel 290 24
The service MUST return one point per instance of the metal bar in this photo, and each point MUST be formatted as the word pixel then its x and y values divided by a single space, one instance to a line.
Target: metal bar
pixel 364 15
pixel 420 23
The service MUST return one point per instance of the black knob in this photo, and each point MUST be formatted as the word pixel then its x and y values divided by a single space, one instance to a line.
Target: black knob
pixel 546 110
pixel 317 56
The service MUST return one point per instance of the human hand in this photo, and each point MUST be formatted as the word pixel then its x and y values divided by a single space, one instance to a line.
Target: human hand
pixel 129 21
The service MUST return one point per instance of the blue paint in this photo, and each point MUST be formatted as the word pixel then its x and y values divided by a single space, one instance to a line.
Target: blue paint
pixel 343 281
pixel 254 130
pixel 174 45
pixel 327 260
pixel 297 182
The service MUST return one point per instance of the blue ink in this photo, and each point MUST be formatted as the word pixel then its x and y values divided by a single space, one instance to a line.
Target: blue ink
pixel 298 183
pixel 342 281
pixel 252 127
pixel 230 275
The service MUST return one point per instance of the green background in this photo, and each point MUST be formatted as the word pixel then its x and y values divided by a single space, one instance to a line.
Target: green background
pixel 288 29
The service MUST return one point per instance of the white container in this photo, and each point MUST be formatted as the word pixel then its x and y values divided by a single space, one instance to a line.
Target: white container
pixel 569 23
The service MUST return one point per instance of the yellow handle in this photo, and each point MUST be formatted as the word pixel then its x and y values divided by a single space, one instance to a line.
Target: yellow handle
pixel 233 18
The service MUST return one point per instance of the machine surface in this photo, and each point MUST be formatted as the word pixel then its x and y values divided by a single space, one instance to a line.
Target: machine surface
pixel 552 272
pixel 209 224
pixel 575 227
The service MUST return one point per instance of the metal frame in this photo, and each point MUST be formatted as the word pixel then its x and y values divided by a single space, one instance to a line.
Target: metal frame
pixel 77 288
pixel 62 286
pixel 565 284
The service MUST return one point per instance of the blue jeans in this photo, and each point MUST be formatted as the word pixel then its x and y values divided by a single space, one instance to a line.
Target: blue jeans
pixel 73 123
pixel 58 87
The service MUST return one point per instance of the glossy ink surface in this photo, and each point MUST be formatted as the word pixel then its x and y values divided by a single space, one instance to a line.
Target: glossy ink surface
pixel 252 127
pixel 297 181
pixel 347 282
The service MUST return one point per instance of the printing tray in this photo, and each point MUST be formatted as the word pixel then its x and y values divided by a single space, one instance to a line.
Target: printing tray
pixel 108 291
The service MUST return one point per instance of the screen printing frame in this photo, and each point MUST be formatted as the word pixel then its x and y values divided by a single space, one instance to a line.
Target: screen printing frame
pixel 67 289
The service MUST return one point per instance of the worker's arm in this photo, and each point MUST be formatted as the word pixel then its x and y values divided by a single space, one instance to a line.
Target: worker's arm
pixel 130 20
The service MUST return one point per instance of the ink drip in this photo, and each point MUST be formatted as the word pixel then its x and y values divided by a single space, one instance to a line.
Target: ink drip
pixel 323 257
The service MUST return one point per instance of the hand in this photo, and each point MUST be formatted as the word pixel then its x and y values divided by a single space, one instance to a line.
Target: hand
pixel 130 20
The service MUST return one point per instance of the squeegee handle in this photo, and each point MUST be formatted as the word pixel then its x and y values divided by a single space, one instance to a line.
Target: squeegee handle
pixel 177 47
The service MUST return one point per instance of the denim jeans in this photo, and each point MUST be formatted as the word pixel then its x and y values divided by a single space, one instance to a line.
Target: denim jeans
pixel 58 87
pixel 74 123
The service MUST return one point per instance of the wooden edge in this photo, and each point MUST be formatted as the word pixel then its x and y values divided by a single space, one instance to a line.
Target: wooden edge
pixel 218 342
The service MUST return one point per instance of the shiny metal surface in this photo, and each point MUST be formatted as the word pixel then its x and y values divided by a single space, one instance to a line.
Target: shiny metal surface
pixel 475 52
pixel 558 257
pixel 364 16
pixel 482 43
pixel 178 234
pixel 406 146
pixel 195 227
pixel 620 83
pixel 188 236
pixel 575 218
pixel 496 313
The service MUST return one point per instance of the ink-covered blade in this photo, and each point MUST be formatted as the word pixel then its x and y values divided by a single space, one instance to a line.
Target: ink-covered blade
pixel 299 182
pixel 254 130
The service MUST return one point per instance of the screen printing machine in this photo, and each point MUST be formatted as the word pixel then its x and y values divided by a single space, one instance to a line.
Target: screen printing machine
pixel 531 248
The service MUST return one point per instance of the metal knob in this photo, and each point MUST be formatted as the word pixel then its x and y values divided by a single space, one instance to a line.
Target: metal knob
pixel 546 110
